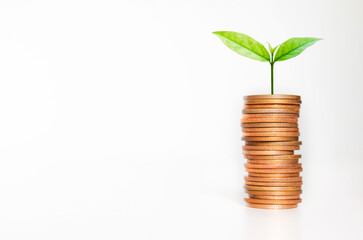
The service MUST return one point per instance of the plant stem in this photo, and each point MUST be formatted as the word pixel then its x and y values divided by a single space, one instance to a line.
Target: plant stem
pixel 272 78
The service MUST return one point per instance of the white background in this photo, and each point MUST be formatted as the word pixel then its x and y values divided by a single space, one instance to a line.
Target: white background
pixel 120 119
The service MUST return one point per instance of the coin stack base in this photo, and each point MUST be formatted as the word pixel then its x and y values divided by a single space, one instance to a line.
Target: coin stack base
pixel 271 134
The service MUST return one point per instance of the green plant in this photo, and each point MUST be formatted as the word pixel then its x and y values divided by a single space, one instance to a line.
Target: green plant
pixel 249 47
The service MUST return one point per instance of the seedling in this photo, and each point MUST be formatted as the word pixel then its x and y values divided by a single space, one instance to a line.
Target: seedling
pixel 249 47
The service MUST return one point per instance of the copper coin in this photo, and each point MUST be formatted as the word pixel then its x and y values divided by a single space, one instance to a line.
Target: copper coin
pixel 278 179
pixel 270 96
pixel 249 165
pixel 273 201
pixel 269 125
pixel 267 188
pixel 274 197
pixel 273 175
pixel 270 110
pixel 273 101
pixel 279 157
pixel 270 206
pixel 253 161
pixel 274 170
pixel 266 115
pixel 270 129
pixel 274 184
pixel 273 193
pixel 270 139
pixel 273 106
pixel 270 120
pixel 271 134
pixel 252 152
pixel 270 148
pixel 290 143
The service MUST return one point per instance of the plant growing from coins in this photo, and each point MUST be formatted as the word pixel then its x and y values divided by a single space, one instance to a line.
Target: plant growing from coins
pixel 249 47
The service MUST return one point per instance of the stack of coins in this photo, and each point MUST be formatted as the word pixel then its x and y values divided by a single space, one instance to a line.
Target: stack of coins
pixel 271 134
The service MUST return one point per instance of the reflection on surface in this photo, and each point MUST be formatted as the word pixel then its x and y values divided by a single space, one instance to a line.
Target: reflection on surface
pixel 276 224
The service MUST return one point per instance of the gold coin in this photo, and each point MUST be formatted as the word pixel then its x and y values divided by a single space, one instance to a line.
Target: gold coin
pixel 273 101
pixel 272 106
pixel 270 96
pixel 271 206
pixel 274 197
pixel 274 170
pixel 264 188
pixel 277 162
pixel 264 166
pixel 271 134
pixel 273 175
pixel 274 184
pixel 270 120
pixel 270 139
pixel 266 115
pixel 252 152
pixel 269 110
pixel 269 125
pixel 271 179
pixel 273 201
pixel 273 193
pixel 270 148
pixel 291 143
pixel 279 157
pixel 270 129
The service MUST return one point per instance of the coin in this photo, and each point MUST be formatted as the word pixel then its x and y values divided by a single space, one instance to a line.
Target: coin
pixel 272 179
pixel 270 139
pixel 249 165
pixel 270 148
pixel 274 96
pixel 266 115
pixel 267 188
pixel 270 110
pixel 279 157
pixel 273 106
pixel 252 152
pixel 291 143
pixel 270 206
pixel 274 197
pixel 273 175
pixel 274 184
pixel 270 120
pixel 269 125
pixel 273 201
pixel 271 134
pixel 273 193
pixel 274 170
pixel 273 101
pixel 277 162
pixel 270 129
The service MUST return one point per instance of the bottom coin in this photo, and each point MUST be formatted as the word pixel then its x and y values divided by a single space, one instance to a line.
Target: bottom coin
pixel 273 201
pixel 271 206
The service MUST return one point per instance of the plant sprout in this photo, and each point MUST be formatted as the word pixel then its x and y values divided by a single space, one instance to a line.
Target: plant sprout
pixel 249 47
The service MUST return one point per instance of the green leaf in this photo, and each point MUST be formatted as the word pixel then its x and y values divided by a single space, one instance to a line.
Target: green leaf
pixel 244 45
pixel 293 47
pixel 272 50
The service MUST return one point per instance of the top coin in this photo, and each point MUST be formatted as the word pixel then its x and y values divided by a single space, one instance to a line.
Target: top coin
pixel 272 101
pixel 269 96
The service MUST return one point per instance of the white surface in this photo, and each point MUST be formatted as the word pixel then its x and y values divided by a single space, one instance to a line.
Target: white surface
pixel 120 119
